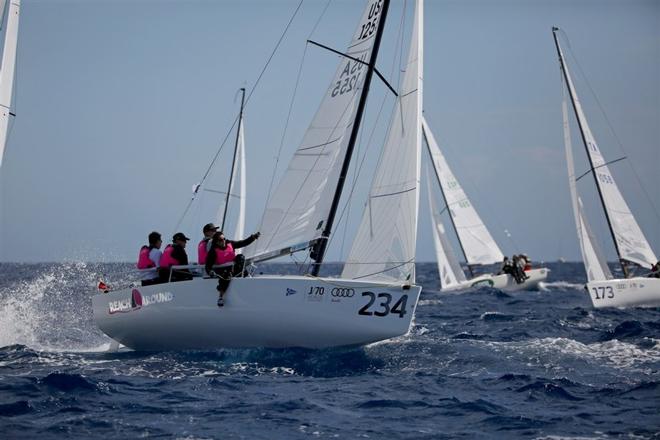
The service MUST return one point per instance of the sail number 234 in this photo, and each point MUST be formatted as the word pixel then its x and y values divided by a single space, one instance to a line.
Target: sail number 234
pixel 381 305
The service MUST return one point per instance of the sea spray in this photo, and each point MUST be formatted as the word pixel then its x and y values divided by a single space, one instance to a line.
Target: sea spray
pixel 50 309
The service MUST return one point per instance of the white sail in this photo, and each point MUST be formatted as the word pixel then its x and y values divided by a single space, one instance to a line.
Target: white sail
pixel 239 180
pixel 478 245
pixel 237 189
pixel 300 205
pixel 449 269
pixel 594 263
pixel 384 248
pixel 7 71
pixel 630 239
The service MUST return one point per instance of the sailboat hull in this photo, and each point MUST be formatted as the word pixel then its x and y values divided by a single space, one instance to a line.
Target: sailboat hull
pixel 264 311
pixel 630 292
pixel 503 282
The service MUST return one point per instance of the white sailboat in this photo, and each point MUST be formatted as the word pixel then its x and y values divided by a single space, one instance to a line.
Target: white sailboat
pixel 374 299
pixel 631 245
pixel 477 245
pixel 7 70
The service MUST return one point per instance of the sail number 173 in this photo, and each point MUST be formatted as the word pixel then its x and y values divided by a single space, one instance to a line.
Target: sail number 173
pixel 381 305
pixel 603 290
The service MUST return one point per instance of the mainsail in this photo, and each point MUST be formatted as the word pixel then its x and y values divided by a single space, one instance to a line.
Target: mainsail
pixel 477 243
pixel 594 262
pixel 7 71
pixel 449 268
pixel 630 241
pixel 299 207
pixel 384 248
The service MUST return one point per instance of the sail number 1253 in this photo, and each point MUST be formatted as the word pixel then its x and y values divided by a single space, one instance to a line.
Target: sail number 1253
pixel 381 305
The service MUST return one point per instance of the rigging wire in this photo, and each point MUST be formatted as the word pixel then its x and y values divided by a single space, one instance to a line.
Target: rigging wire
pixel 247 100
pixel 291 104
pixel 609 124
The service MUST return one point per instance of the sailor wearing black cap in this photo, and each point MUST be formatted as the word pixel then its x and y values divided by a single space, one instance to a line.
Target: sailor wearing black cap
pixel 204 246
pixel 175 255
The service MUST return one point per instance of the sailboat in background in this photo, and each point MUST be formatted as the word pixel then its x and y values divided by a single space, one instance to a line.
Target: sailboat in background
pixel 477 245
pixel 631 245
pixel 375 298
pixel 7 70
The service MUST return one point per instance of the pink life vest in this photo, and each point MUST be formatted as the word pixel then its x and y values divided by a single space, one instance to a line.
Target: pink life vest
pixel 202 253
pixel 144 262
pixel 166 260
pixel 225 255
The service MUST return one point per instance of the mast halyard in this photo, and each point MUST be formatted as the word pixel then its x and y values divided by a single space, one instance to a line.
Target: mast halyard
pixel 233 162
pixel 318 251
pixel 442 191
pixel 586 146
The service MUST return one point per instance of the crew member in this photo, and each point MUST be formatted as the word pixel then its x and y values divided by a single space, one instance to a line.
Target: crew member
pixel 205 245
pixel 227 263
pixel 175 255
pixel 507 267
pixel 149 260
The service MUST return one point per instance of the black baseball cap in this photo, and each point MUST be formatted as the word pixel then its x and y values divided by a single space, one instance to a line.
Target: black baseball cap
pixel 179 236
pixel 210 227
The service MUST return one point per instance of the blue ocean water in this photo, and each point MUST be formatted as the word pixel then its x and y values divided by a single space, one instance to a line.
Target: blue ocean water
pixel 482 364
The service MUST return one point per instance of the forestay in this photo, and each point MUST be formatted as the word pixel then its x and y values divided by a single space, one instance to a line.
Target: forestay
pixel 299 206
pixel 449 269
pixel 384 248
pixel 631 242
pixel 595 264
pixel 7 70
pixel 477 243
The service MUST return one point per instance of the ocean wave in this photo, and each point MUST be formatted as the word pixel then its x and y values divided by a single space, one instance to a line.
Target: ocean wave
pixel 51 311
pixel 560 285
pixel 553 351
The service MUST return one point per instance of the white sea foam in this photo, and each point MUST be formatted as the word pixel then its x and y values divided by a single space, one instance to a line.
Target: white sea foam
pixel 615 354
pixel 429 302
pixel 46 313
pixel 559 285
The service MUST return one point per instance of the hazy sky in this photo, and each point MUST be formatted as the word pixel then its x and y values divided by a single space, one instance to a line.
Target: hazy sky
pixel 121 105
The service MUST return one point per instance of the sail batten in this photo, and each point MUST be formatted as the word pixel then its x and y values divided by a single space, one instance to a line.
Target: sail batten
pixel 477 244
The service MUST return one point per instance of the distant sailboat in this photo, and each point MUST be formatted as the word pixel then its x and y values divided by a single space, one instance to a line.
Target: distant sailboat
pixel 376 296
pixel 477 245
pixel 629 240
pixel 7 71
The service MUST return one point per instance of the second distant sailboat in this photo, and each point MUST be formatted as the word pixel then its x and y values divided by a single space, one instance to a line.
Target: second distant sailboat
pixel 476 243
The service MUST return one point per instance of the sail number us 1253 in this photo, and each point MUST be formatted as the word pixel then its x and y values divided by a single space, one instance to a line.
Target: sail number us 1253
pixel 381 305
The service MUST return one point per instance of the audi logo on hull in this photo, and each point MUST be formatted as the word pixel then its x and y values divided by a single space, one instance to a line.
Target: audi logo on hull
pixel 342 292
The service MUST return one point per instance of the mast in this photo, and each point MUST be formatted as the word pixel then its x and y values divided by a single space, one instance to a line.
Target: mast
pixel 442 191
pixel 318 252
pixel 586 146
pixel 233 162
